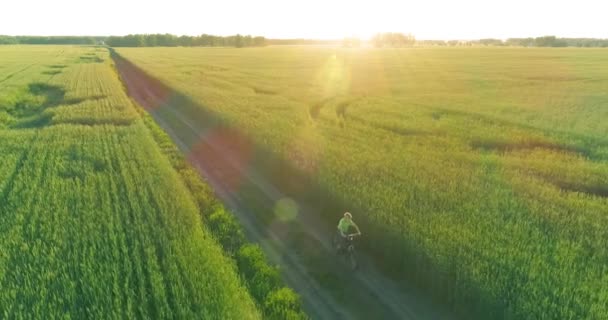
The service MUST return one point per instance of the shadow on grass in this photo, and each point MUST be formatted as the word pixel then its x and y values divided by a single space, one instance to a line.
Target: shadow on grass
pixel 585 145
pixel 510 146
pixel 594 190
pixel 32 110
pixel 213 142
pixel 29 111
pixel 585 187
pixel 77 164
pixel 91 59
pixel 51 72
pixel 57 66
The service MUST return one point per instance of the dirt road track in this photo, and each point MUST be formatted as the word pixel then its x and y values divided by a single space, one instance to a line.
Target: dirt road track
pixel 365 294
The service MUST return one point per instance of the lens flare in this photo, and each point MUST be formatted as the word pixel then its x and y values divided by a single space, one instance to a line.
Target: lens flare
pixel 286 209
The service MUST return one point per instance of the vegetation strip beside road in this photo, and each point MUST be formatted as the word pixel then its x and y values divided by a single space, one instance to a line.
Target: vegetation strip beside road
pixel 262 280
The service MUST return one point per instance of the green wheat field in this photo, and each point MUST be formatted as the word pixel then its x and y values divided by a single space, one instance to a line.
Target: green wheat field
pixel 478 174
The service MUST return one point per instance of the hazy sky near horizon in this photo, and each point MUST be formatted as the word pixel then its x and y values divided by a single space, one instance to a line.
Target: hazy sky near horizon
pixel 426 19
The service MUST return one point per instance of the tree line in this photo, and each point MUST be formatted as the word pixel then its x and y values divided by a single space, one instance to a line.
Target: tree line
pixel 545 41
pixel 169 40
pixel 142 40
pixel 552 41
pixel 302 42
pixel 50 40
pixel 390 39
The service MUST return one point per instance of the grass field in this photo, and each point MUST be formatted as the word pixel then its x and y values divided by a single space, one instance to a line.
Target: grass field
pixel 481 174
pixel 94 220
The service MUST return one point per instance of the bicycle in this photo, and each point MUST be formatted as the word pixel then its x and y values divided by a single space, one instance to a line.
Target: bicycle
pixel 348 249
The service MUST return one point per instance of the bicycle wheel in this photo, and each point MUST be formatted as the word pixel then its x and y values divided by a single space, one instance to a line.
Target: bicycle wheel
pixel 354 264
pixel 336 243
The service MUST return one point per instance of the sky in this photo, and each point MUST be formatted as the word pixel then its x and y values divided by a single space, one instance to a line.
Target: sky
pixel 319 19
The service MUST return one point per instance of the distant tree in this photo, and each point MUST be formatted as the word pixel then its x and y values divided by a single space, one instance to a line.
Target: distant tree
pixel 220 41
pixel 490 42
pixel 204 40
pixel 549 41
pixel 431 42
pixel 166 40
pixel 8 40
pixel 185 41
pixel 259 41
pixel 238 41
pixel 151 40
pixel 394 40
pixel 140 40
pixel 523 42
pixel 247 41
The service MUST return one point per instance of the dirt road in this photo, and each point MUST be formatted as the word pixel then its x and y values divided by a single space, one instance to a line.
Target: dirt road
pixel 295 239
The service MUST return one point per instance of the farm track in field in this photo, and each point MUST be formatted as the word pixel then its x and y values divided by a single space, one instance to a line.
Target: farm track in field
pixel 360 295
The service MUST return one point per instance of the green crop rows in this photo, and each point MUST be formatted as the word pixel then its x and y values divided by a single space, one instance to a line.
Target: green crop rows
pixel 95 223
pixel 479 173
